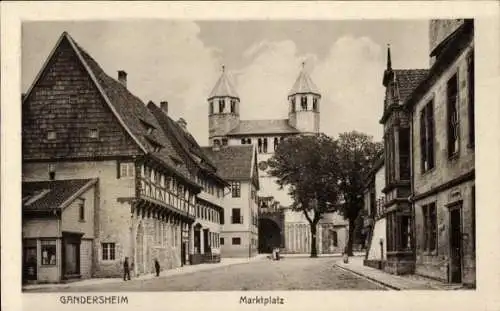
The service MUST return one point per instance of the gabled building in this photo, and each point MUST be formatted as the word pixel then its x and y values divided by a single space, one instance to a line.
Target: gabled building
pixel 210 201
pixel 443 140
pixel 429 160
pixel 80 123
pixel 399 84
pixel 238 166
pixel 58 229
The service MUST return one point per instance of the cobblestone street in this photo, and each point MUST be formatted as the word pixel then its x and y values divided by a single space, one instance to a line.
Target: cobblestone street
pixel 288 274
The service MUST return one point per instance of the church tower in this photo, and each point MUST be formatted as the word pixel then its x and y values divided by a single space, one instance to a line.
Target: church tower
pixel 303 99
pixel 224 110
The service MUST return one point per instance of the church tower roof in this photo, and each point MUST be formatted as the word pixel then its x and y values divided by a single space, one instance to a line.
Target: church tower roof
pixel 223 87
pixel 304 84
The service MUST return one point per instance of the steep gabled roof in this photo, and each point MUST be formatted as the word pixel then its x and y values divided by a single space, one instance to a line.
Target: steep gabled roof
pixel 233 162
pixel 42 196
pixel 183 140
pixel 223 87
pixel 407 81
pixel 254 127
pixel 304 85
pixel 128 109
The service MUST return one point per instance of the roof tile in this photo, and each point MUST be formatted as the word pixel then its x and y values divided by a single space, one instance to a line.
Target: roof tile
pixel 233 162
pixel 252 127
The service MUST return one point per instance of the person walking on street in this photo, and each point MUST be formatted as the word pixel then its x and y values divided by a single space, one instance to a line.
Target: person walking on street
pixel 157 267
pixel 126 270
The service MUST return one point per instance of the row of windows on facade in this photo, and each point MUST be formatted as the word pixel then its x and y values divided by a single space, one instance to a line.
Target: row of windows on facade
pixel 304 103
pixel 234 241
pixel 222 106
pixel 237 218
pixel 204 211
pixel 262 143
pixel 427 126
pixel 210 188
pixel 400 237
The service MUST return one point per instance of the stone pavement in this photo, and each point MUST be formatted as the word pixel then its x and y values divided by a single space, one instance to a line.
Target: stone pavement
pixel 396 282
pixel 176 271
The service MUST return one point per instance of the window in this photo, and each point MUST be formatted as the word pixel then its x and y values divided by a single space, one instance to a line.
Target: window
pixel 249 140
pixel 404 153
pixel 315 104
pixel 216 142
pixel 236 216
pixel 390 166
pixel 236 241
pixel 93 133
pixel 259 145
pixel 233 106
pixel 235 189
pixel 48 252
pixel 221 241
pixel 81 210
pixel 126 170
pixel 221 105
pixel 51 135
pixel 108 251
pixel 211 107
pixel 405 232
pixel 293 104
pixel 276 142
pixel 430 227
pixel 224 142
pixel 243 141
pixel 470 98
pixel 427 137
pixel 473 212
pixel 221 217
pixel 303 102
pixel 453 119
pixel 335 238
pixel 265 145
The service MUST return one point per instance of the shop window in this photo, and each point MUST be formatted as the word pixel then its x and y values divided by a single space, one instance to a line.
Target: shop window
pixel 108 251
pixel 49 253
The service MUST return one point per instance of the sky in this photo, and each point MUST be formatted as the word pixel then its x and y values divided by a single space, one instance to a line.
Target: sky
pixel 180 62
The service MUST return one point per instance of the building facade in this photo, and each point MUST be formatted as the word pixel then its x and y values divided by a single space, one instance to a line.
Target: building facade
pixel 79 123
pixel 374 222
pixel 239 232
pixel 429 160
pixel 58 229
pixel 443 149
pixel 226 129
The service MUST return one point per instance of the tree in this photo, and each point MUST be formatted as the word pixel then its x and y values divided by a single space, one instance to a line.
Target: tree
pixel 357 154
pixel 308 166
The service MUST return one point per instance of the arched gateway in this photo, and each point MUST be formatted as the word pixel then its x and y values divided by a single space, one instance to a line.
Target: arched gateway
pixel 271 231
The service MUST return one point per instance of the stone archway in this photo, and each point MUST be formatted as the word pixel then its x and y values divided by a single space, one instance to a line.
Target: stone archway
pixel 269 235
pixel 139 249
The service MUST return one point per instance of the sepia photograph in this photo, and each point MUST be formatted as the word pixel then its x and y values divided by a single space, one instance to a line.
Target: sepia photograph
pixel 162 155
pixel 226 155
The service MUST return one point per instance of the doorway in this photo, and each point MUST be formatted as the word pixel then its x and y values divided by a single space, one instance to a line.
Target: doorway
pixel 455 244
pixel 71 255
pixel 29 261
pixel 206 242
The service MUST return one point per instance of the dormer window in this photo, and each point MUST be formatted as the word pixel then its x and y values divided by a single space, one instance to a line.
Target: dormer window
pixel 149 127
pixel 303 102
pixel 51 135
pixel 221 105
pixel 93 133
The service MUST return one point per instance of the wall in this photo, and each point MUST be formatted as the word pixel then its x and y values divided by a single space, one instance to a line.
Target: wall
pixel 245 249
pixel 440 29
pixel 112 217
pixel 40 228
pixel 71 215
pixel 379 182
pixel 379 232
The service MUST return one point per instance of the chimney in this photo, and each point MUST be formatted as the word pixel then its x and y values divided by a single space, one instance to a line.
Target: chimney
pixel 182 123
pixel 164 107
pixel 122 77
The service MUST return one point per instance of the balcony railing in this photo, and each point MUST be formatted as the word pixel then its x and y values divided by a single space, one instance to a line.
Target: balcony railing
pixel 153 191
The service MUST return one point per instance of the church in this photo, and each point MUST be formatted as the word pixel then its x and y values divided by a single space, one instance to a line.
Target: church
pixel 278 224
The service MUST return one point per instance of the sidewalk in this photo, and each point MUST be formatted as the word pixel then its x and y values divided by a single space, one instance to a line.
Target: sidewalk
pixel 396 282
pixel 165 273
pixel 301 255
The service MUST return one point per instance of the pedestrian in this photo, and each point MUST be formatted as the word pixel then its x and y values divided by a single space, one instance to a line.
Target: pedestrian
pixel 345 256
pixel 157 267
pixel 126 270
